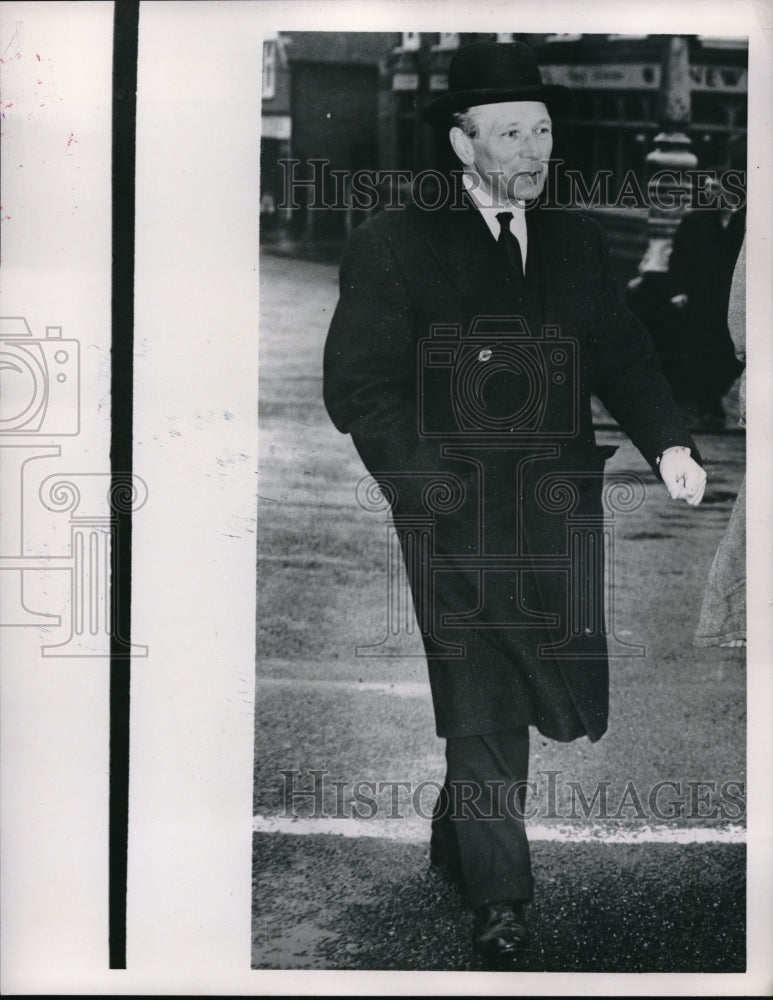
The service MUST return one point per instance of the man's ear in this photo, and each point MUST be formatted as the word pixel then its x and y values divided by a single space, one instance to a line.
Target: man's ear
pixel 462 146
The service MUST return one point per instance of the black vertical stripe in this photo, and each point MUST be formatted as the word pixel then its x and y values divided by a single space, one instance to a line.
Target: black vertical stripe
pixel 125 42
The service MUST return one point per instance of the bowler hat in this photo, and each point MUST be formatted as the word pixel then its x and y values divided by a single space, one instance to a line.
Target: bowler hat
pixel 490 73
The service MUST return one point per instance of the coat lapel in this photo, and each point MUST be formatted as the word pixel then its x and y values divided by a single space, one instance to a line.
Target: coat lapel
pixel 469 257
pixel 545 241
pixel 467 253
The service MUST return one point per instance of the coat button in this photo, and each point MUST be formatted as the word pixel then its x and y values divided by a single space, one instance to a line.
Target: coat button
pixel 484 355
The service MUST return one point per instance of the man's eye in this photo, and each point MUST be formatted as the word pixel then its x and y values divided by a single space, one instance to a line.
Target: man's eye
pixel 511 134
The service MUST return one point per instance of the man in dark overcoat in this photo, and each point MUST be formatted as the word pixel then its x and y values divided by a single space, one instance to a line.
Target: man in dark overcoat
pixel 700 270
pixel 461 358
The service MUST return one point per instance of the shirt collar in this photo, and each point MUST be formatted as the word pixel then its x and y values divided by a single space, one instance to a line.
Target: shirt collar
pixel 483 202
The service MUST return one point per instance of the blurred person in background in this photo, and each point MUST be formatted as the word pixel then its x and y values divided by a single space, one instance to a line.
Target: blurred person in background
pixel 700 270
pixel 722 619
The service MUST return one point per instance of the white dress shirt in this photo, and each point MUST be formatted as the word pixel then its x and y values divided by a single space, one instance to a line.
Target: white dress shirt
pixel 483 202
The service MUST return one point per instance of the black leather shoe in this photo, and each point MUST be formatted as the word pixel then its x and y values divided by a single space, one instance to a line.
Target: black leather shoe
pixel 500 930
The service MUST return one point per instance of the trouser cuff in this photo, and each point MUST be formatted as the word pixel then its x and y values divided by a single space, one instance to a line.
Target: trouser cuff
pixel 515 887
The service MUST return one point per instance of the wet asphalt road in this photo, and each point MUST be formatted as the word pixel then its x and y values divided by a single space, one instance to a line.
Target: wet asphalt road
pixel 327 901
pixel 337 903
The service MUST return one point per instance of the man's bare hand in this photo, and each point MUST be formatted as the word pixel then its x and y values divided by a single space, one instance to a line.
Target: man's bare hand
pixel 683 477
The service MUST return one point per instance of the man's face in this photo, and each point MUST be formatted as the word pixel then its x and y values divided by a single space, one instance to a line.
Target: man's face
pixel 511 150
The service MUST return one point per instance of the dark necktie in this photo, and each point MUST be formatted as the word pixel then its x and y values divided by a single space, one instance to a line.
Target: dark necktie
pixel 509 245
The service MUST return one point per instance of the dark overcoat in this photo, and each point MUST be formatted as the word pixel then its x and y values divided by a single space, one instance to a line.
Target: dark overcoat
pixel 701 266
pixel 468 397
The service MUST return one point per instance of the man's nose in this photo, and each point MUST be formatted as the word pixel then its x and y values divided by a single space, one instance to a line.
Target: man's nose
pixel 530 148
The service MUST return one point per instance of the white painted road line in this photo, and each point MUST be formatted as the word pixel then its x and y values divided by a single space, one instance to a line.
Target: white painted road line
pixel 403 689
pixel 416 831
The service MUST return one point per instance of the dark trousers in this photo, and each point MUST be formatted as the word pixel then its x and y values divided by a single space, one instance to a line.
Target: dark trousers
pixel 478 820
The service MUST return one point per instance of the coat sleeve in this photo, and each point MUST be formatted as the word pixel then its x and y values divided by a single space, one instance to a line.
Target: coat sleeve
pixel 627 375
pixel 370 361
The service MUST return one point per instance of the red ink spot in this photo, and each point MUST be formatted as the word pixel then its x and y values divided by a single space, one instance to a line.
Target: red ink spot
pixel 37 57
pixel 71 139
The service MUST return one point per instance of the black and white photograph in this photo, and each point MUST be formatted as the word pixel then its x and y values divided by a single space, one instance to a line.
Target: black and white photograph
pixel 386 532
pixel 501 653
